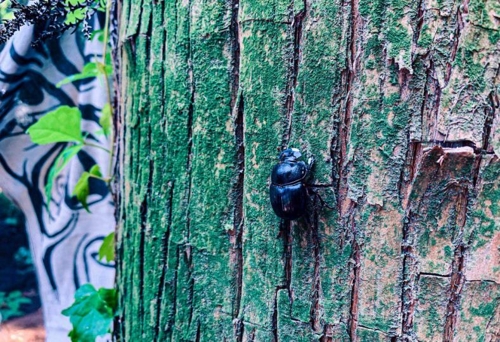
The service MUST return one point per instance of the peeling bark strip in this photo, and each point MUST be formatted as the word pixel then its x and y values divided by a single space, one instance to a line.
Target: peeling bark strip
pixel 397 102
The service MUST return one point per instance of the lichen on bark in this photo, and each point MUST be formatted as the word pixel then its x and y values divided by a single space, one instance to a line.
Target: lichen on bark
pixel 398 102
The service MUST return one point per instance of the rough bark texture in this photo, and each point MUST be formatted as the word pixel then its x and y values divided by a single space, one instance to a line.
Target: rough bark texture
pixel 398 102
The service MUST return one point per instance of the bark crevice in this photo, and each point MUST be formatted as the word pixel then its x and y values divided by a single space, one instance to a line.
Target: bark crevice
pixel 316 308
pixel 488 122
pixel 356 271
pixel 286 231
pixel 456 285
pixel 344 128
pixel 461 9
pixel 164 250
pixel 410 277
pixel 238 223
pixel 188 252
pixel 171 322
pixel 237 105
pixel 294 64
pixel 274 317
pixel 327 334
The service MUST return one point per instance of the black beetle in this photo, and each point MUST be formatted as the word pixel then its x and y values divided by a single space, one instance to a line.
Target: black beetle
pixel 288 190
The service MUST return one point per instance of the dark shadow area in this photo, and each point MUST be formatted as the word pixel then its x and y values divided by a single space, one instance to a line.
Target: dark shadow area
pixel 18 283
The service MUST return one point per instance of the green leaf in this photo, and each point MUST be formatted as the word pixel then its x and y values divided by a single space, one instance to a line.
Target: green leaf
pixel 101 5
pixel 60 125
pixel 92 69
pixel 75 16
pixel 10 305
pixel 60 163
pixel 105 120
pixel 99 133
pixel 74 2
pixel 89 70
pixel 99 34
pixel 92 313
pixel 95 171
pixel 107 249
pixel 82 188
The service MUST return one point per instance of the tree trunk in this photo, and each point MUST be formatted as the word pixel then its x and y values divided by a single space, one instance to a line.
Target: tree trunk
pixel 397 101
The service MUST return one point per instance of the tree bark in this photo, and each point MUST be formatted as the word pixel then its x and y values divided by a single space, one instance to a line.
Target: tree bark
pixel 398 102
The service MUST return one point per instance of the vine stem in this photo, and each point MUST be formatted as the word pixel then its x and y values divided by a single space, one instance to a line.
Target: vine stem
pixel 97 146
pixel 106 81
pixel 104 179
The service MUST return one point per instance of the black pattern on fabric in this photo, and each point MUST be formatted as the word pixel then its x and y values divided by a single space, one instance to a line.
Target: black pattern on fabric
pixel 64 237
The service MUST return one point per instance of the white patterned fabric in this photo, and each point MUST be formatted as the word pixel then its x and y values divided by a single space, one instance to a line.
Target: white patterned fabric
pixel 64 238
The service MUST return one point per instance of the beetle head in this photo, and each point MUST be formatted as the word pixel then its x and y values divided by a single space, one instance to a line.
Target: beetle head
pixel 290 154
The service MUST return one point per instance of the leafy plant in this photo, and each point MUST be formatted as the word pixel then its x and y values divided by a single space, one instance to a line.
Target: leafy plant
pixel 92 313
pixel 23 260
pixel 92 69
pixel 107 250
pixel 61 161
pixel 82 188
pixel 93 310
pixel 10 304
pixel 57 16
pixel 48 130
pixel 5 11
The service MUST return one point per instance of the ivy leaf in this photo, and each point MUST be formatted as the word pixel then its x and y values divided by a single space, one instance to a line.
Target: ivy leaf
pixel 89 70
pixel 75 16
pixel 75 2
pixel 105 120
pixel 95 171
pixel 60 125
pixel 60 163
pixel 99 34
pixel 10 305
pixel 82 188
pixel 92 69
pixel 107 249
pixel 92 313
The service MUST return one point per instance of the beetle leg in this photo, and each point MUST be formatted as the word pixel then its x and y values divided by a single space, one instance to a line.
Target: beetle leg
pixel 318 185
pixel 310 163
pixel 323 203
pixel 310 188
